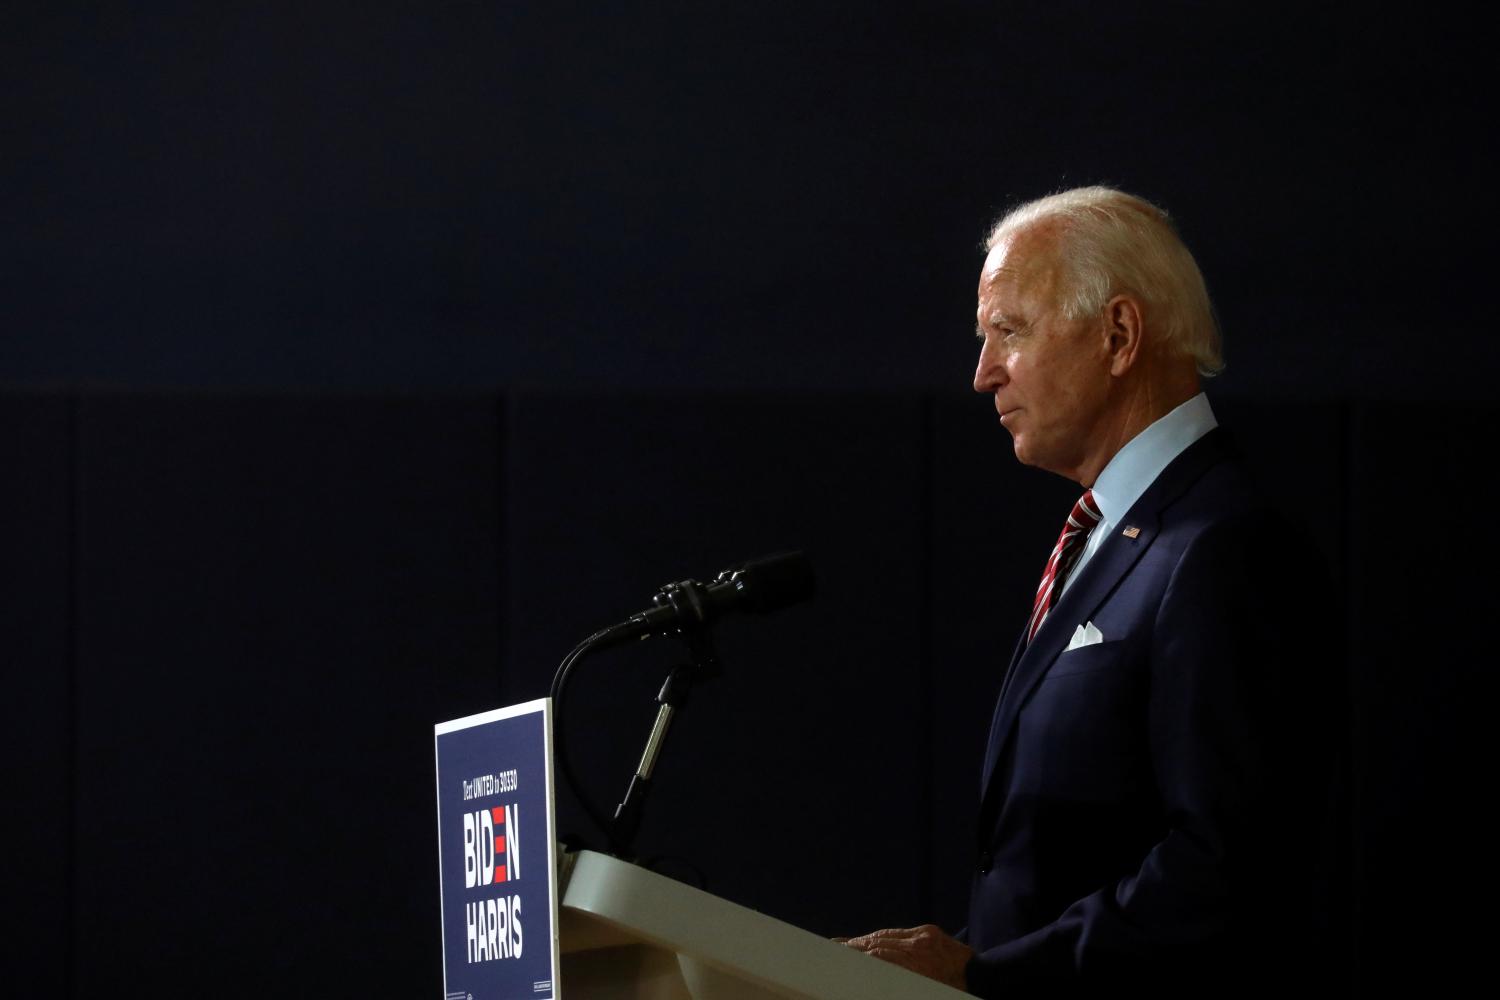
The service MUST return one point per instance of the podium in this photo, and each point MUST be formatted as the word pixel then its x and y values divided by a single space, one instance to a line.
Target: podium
pixel 630 933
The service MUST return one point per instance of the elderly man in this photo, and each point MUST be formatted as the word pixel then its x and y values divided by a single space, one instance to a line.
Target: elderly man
pixel 1155 788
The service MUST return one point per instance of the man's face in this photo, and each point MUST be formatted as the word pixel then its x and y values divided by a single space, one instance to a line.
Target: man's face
pixel 1050 376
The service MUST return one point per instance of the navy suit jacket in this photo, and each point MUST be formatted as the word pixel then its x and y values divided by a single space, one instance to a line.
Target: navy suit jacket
pixel 1155 807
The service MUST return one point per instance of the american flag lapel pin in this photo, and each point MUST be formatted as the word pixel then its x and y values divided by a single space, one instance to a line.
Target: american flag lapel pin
pixel 1131 531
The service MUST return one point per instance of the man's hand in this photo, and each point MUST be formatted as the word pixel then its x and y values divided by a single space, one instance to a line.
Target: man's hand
pixel 926 950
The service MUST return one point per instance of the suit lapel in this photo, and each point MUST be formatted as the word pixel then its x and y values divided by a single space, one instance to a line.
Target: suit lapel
pixel 992 747
pixel 1096 581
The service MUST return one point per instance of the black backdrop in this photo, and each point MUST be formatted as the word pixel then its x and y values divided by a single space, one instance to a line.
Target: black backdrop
pixel 358 359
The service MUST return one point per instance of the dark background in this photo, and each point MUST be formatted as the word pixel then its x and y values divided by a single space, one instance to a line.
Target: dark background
pixel 357 359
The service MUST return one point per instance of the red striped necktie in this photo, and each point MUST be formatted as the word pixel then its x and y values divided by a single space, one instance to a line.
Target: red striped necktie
pixel 1064 554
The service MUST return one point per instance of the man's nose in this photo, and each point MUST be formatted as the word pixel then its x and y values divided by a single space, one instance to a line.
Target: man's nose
pixel 989 373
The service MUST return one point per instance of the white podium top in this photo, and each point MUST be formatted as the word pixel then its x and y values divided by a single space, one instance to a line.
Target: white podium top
pixel 723 950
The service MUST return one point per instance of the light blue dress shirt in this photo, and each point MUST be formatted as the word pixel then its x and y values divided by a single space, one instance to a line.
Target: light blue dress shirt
pixel 1136 466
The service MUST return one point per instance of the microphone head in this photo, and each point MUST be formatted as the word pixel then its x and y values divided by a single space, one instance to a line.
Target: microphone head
pixel 772 582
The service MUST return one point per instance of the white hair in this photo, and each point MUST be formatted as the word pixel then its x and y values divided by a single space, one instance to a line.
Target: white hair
pixel 1110 243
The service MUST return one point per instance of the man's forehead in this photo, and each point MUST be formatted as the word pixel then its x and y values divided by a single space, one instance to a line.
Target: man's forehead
pixel 1001 273
pixel 1016 264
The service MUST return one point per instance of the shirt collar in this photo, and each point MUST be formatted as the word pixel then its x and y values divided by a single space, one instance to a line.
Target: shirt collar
pixel 1136 466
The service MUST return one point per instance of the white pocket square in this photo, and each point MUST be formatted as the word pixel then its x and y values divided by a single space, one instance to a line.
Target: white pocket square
pixel 1085 635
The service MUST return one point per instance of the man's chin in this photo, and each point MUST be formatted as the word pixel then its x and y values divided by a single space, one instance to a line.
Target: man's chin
pixel 1022 453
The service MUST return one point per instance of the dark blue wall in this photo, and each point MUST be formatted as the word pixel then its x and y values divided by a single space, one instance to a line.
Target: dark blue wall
pixel 229 622
pixel 356 359
pixel 471 194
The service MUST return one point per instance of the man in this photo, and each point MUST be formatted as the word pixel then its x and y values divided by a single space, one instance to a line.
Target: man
pixel 1154 791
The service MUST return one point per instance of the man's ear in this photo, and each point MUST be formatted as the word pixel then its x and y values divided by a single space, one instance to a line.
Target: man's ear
pixel 1122 332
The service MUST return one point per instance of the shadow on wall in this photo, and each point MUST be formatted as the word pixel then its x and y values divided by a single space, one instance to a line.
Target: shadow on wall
pixel 233 621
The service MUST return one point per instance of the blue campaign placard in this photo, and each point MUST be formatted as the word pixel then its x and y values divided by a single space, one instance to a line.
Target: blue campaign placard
pixel 496 856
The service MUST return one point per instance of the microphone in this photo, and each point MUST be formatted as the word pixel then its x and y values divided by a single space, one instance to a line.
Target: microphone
pixel 762 585
pixel 687 607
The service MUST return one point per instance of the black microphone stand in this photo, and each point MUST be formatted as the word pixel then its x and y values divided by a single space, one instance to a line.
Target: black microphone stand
pixel 684 609
pixel 687 598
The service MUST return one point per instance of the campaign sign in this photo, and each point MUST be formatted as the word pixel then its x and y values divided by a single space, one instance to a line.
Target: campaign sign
pixel 496 858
